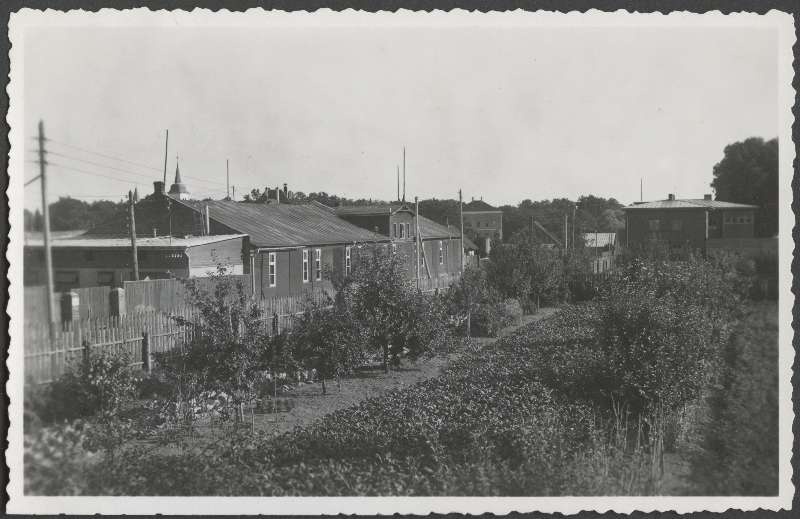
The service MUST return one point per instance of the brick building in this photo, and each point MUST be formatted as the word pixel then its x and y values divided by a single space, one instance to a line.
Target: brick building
pixel 687 222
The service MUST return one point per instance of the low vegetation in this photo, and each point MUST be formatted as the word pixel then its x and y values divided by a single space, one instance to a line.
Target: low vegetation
pixel 585 402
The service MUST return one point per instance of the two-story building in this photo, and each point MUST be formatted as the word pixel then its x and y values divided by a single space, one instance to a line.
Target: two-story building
pixel 484 222
pixel 689 223
pixel 441 249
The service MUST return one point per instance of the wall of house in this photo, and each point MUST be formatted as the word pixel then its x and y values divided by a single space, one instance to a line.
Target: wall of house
pixel 485 223
pixel 85 267
pixel 678 227
pixel 738 223
pixel 203 258
pixel 289 270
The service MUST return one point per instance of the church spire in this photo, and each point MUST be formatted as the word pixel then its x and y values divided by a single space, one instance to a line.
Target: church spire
pixel 177 171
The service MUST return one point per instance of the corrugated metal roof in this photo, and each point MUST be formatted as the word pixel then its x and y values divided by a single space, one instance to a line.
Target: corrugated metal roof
pixel 366 209
pixel 141 242
pixel 284 225
pixel 600 239
pixel 689 203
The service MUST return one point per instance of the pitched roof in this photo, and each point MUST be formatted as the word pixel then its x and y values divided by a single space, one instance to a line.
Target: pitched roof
pixel 284 225
pixel 468 244
pixel 427 227
pixel 370 209
pixel 599 239
pixel 160 242
pixel 479 205
pixel 688 203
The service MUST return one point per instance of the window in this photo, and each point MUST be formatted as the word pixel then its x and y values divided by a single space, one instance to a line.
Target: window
pixel 305 265
pixel 402 230
pixel 272 270
pixel 676 225
pixel 66 280
pixel 394 248
pixel 394 230
pixel 318 263
pixel 105 279
pixel 347 261
pixel 654 225
pixel 441 253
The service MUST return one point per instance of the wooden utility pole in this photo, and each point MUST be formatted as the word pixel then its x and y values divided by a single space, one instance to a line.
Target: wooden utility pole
pixel 404 174
pixel 416 227
pixel 227 180
pixel 461 218
pixel 48 257
pixel 166 150
pixel 132 221
pixel 233 188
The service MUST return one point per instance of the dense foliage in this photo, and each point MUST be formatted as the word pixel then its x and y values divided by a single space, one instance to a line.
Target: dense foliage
pixel 70 213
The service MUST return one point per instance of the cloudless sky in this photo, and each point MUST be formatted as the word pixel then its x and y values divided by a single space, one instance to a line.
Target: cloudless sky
pixel 507 114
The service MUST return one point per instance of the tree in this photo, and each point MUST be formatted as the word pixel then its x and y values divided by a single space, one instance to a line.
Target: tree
pixel 68 213
pixel 748 174
pixel 382 299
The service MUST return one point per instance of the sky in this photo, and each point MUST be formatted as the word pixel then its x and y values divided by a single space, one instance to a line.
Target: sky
pixel 502 113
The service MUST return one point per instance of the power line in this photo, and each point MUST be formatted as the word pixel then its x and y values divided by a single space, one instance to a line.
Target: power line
pixel 112 157
pixel 103 155
pixel 77 170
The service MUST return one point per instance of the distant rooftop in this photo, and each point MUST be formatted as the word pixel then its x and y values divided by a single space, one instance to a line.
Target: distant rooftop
pixel 479 205
pixel 160 242
pixel 427 227
pixel 688 203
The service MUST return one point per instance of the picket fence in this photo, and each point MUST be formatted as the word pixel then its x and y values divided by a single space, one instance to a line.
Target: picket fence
pixel 139 335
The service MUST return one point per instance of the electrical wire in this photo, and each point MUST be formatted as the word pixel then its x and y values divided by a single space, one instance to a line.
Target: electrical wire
pixel 119 159
pixel 77 170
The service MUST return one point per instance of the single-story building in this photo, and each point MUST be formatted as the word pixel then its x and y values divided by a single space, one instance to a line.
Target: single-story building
pixel 601 247
pixel 89 261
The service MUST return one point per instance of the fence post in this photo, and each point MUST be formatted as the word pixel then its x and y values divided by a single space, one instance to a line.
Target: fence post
pixel 146 362
pixel 70 307
pixel 87 351
pixel 116 302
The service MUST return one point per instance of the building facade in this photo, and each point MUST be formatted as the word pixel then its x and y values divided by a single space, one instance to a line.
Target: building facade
pixel 483 222
pixel 690 223
pixel 89 261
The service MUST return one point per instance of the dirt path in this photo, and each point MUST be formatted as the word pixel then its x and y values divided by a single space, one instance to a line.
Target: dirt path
pixel 307 403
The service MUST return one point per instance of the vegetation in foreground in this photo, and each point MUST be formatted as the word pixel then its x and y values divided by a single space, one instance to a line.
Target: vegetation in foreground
pixel 585 403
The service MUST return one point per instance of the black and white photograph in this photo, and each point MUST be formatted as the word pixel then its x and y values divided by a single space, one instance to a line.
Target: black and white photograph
pixel 426 262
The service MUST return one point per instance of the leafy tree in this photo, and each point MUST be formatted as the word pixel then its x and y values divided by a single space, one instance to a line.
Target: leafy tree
pixel 382 298
pixel 748 174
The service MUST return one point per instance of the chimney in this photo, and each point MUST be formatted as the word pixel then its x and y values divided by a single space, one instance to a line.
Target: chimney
pixel 473 198
pixel 706 197
pixel 158 187
pixel 671 196
pixel 285 191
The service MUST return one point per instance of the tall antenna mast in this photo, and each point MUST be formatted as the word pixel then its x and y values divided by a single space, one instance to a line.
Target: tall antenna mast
pixel 641 189
pixel 398 182
pixel 404 173
pixel 166 151
pixel 227 180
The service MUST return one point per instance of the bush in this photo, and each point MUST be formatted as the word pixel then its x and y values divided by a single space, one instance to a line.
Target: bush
pixel 491 317
pixel 104 382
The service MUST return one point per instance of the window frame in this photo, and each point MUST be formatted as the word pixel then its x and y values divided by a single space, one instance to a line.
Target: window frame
pixel 272 269
pixel 441 253
pixel 318 264
pixel 347 261
pixel 306 267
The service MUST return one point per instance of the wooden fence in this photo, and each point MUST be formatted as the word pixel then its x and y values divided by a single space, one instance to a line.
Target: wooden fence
pixel 139 334
pixel 166 294
pixel 93 302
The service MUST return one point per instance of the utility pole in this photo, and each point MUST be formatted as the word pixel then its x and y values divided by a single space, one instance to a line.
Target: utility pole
pixel 641 189
pixel 234 192
pixel 48 257
pixel 416 228
pixel 398 183
pixel 404 174
pixel 227 180
pixel 461 217
pixel 132 221
pixel 166 150
pixel 574 220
